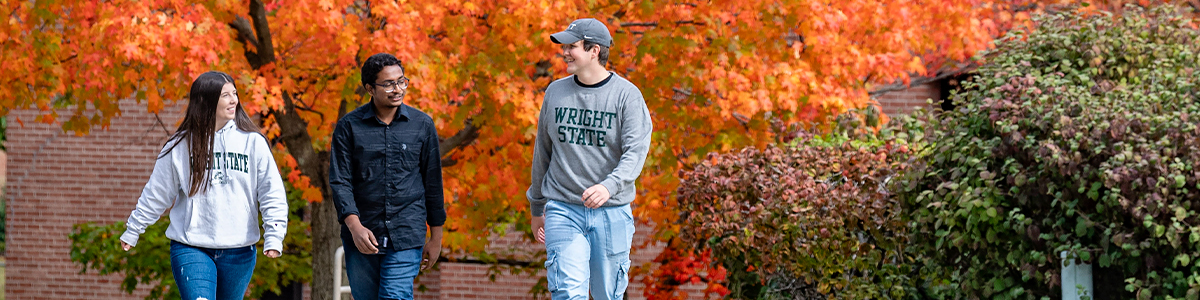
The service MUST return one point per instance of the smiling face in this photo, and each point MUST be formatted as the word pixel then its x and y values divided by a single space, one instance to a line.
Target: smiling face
pixel 227 104
pixel 389 88
pixel 576 58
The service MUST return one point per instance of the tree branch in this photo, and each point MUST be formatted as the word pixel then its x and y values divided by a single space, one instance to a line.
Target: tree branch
pixel 462 138
pixel 246 34
pixel 244 31
pixel 294 133
pixel 301 107
pixel 161 124
pixel 742 119
pixel 266 47
pixel 257 36
pixel 1195 4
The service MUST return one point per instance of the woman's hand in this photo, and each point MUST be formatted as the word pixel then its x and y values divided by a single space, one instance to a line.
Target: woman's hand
pixel 273 253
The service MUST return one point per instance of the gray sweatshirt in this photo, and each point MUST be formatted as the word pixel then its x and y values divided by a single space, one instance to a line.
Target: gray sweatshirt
pixel 245 183
pixel 589 135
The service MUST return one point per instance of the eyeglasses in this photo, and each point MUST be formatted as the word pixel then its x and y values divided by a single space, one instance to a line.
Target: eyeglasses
pixel 390 86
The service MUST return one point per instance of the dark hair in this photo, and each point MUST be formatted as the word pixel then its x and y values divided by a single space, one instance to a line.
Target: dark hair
pixel 199 124
pixel 375 64
pixel 603 57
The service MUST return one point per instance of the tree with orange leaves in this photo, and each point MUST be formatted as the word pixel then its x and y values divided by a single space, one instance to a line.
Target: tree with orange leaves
pixel 717 75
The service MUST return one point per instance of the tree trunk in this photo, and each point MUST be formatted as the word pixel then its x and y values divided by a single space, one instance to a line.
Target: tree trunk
pixel 293 291
pixel 326 237
pixel 313 163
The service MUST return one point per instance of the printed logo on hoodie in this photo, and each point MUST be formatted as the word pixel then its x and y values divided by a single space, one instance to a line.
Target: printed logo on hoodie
pixel 230 161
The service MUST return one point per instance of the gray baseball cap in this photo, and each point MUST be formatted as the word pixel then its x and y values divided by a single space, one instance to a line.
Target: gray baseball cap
pixel 584 29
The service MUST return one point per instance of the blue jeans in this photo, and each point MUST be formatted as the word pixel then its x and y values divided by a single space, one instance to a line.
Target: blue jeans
pixel 214 274
pixel 587 249
pixel 386 275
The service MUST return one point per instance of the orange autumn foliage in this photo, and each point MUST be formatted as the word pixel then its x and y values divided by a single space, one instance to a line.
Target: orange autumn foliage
pixel 716 74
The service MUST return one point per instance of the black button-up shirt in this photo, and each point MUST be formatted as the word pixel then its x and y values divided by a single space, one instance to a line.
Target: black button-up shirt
pixel 390 175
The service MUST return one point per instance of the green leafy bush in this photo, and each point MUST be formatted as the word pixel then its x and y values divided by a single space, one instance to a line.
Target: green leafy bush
pixel 812 219
pixel 1081 137
pixel 98 247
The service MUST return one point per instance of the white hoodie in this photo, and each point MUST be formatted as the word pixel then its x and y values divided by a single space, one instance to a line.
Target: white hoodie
pixel 225 215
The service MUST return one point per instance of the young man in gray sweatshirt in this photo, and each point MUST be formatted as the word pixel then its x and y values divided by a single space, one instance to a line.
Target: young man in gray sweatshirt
pixel 592 139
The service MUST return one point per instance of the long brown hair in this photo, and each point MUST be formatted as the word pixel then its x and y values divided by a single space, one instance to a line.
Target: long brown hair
pixel 199 126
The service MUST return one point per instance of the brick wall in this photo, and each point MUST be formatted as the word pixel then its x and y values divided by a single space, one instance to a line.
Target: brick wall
pixel 57 179
pixel 905 101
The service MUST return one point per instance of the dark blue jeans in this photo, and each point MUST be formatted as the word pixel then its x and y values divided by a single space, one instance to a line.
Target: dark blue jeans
pixel 214 274
pixel 386 275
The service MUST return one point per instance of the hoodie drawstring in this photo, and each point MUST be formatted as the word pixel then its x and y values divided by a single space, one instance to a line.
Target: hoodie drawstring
pixel 223 176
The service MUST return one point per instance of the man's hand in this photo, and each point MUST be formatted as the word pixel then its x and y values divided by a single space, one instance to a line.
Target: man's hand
pixel 595 196
pixel 539 229
pixel 125 246
pixel 273 253
pixel 363 238
pixel 433 248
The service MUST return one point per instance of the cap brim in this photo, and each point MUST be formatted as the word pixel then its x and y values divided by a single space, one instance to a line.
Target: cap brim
pixel 564 37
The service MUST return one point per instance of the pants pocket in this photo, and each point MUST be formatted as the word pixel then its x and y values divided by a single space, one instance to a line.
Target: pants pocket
pixel 552 273
pixel 620 231
pixel 622 280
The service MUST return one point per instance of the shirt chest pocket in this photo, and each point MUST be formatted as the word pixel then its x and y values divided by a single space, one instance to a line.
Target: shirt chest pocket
pixel 370 158
pixel 408 151
pixel 397 157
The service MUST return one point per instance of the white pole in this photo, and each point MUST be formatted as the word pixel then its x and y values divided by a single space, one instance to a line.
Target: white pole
pixel 338 288
pixel 1076 279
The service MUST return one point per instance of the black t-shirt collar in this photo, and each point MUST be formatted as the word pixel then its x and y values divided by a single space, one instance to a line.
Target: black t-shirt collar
pixel 598 84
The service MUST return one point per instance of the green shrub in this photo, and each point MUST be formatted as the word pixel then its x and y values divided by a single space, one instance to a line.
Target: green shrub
pixel 98 247
pixel 1079 137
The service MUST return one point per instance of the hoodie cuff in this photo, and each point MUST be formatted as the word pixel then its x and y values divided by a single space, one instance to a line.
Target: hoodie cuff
pixel 130 238
pixel 612 186
pixel 537 210
pixel 273 244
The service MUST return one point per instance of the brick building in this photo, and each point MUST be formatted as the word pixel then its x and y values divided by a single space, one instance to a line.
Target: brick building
pixel 57 179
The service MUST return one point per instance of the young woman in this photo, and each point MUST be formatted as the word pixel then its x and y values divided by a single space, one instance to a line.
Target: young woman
pixel 215 175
